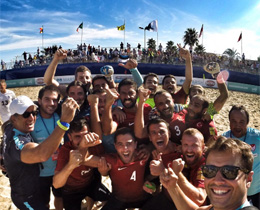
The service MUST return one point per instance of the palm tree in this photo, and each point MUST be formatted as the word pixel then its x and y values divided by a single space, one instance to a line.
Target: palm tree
pixel 170 47
pixel 190 37
pixel 200 49
pixel 151 44
pixel 231 53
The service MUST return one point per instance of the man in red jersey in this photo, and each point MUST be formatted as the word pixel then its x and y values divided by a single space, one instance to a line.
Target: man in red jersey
pixel 127 170
pixel 77 179
pixel 178 122
pixel 127 90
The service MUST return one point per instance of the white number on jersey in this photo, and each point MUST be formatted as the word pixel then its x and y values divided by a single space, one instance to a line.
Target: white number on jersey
pixel 177 129
pixel 133 177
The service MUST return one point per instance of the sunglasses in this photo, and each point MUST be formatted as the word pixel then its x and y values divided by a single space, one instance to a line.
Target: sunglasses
pixel 228 172
pixel 28 114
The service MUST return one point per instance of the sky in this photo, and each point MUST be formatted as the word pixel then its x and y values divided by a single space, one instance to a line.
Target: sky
pixel 223 22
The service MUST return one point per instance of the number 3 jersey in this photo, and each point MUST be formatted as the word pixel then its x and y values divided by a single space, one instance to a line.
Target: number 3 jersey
pixel 127 179
pixel 179 124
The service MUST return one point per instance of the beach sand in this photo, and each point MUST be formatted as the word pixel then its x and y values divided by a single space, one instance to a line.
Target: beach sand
pixel 250 101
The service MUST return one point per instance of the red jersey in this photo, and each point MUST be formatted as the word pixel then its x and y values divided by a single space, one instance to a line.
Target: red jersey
pixel 130 117
pixel 168 158
pixel 179 124
pixel 208 129
pixel 127 179
pixel 194 174
pixel 81 176
pixel 180 97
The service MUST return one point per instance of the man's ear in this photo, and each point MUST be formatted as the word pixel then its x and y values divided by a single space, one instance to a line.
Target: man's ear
pixel 70 137
pixel 249 179
pixel 13 119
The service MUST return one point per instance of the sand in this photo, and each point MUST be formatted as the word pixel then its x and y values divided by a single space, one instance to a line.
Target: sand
pixel 250 101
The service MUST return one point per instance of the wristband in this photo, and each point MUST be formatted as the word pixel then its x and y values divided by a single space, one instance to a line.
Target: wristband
pixel 63 125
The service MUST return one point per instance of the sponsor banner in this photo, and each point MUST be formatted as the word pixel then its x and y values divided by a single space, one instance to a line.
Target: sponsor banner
pixel 20 82
pixel 208 83
pixel 244 88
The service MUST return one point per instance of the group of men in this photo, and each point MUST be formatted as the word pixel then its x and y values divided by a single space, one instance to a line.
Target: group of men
pixel 148 141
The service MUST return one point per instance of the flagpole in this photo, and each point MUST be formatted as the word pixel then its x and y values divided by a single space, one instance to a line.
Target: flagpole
pixel 241 44
pixel 42 36
pixel 124 33
pixel 82 33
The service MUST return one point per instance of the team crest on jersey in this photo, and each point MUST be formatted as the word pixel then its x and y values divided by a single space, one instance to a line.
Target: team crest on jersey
pixel 142 162
pixel 253 147
pixel 199 125
pixel 180 118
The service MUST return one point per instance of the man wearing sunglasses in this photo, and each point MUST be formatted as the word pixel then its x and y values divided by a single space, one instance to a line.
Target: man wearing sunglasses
pixel 22 155
pixel 228 175
pixel 238 121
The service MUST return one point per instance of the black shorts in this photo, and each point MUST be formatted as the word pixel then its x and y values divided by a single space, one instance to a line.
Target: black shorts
pixel 29 202
pixel 96 190
pixel 45 189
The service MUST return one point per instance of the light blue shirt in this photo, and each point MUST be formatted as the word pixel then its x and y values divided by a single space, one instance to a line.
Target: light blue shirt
pixel 42 129
pixel 252 137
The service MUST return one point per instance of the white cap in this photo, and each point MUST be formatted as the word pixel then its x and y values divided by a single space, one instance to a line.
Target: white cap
pixel 20 104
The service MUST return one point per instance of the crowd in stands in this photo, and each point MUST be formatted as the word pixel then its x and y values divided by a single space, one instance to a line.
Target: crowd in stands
pixel 87 53
pixel 159 146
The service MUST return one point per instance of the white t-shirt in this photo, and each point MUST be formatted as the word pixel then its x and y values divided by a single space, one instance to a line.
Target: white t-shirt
pixel 5 100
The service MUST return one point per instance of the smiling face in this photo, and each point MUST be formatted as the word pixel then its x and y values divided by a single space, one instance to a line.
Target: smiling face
pixel 125 146
pixel 192 148
pixel 77 93
pixel 227 194
pixel 159 135
pixel 48 103
pixel 151 83
pixel 128 96
pixel 238 123
pixel 170 85
pixel 25 125
pixel 165 105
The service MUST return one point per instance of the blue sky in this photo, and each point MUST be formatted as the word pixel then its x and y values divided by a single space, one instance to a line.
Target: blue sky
pixel 223 21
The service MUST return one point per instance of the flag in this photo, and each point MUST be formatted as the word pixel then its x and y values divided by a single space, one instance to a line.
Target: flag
pixel 201 31
pixel 121 28
pixel 153 26
pixel 41 30
pixel 240 37
pixel 80 26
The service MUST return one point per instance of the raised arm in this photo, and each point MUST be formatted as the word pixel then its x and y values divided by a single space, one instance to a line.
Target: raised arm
pixel 51 70
pixel 195 194
pixel 35 153
pixel 108 125
pixel 185 54
pixel 131 65
pixel 94 115
pixel 170 181
pixel 222 98
pixel 139 127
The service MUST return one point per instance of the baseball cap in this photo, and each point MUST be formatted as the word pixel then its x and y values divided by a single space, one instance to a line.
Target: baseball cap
pixel 20 104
